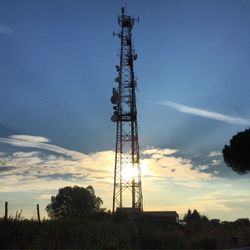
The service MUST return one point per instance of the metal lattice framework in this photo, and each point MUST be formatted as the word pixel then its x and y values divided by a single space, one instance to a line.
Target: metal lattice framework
pixel 127 173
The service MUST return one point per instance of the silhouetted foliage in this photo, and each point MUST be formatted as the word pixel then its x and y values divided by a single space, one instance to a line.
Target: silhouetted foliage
pixel 120 216
pixel 215 222
pixel 236 154
pixel 74 202
pixel 194 217
pixel 105 233
pixel 242 221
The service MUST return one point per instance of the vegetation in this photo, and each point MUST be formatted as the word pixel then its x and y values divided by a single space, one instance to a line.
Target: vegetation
pixel 192 217
pixel 77 222
pixel 74 202
pixel 106 231
pixel 236 154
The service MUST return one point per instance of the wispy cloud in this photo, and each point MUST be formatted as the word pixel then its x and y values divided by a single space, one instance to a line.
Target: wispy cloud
pixel 164 172
pixel 4 29
pixel 50 167
pixel 39 142
pixel 21 169
pixel 158 151
pixel 215 154
pixel 205 113
pixel 162 163
pixel 216 162
pixel 30 138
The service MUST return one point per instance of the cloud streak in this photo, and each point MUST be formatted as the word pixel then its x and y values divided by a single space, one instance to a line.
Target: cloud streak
pixel 39 173
pixel 29 141
pixel 49 167
pixel 4 29
pixel 205 113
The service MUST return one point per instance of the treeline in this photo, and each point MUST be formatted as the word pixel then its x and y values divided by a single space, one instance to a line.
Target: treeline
pixel 119 231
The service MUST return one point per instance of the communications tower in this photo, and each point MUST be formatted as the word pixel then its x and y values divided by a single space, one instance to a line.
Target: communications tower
pixel 127 171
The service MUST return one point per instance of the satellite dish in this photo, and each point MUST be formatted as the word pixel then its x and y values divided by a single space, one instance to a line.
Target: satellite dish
pixel 114 100
pixel 115 97
pixel 117 79
pixel 115 92
pixel 114 118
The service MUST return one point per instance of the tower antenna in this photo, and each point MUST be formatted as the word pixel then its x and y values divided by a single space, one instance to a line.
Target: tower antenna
pixel 127 171
pixel 124 6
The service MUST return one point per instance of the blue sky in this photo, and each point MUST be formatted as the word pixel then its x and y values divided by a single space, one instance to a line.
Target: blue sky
pixel 57 70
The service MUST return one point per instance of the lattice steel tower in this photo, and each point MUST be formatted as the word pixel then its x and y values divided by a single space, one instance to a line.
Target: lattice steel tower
pixel 127 172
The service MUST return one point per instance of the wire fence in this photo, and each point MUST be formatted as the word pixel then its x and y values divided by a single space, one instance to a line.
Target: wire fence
pixel 11 214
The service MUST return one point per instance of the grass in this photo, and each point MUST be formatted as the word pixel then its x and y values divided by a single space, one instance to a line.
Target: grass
pixel 112 233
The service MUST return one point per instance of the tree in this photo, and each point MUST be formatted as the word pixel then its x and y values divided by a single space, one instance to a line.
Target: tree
pixel 74 202
pixel 237 153
pixel 194 217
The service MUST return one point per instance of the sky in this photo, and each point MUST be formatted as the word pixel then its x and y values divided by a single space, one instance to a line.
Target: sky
pixel 57 70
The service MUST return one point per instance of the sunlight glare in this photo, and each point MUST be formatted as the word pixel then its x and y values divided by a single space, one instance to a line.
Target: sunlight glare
pixel 129 172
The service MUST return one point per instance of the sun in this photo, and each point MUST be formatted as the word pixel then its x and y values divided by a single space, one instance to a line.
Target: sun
pixel 128 171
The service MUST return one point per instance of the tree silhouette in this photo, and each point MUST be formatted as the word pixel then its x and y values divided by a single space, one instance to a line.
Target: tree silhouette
pixel 194 216
pixel 236 154
pixel 74 202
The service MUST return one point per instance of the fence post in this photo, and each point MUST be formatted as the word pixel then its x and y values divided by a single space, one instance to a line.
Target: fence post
pixel 6 211
pixel 38 213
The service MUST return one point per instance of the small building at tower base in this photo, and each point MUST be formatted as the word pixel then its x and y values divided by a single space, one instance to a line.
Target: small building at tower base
pixel 152 216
